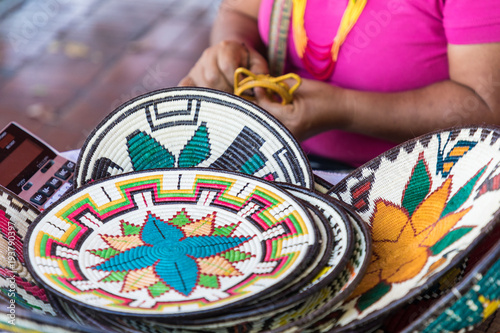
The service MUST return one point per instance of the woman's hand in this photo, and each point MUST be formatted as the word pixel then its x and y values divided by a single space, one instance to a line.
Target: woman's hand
pixel 215 68
pixel 316 107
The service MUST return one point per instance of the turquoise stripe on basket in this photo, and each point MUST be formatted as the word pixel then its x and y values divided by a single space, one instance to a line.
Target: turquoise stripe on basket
pixel 482 300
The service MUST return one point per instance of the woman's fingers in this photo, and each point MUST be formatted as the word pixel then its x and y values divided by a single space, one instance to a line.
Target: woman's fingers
pixel 187 81
pixel 288 114
pixel 257 64
pixel 215 68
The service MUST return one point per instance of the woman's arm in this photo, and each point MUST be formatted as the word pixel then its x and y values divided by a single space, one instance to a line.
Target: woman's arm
pixel 470 96
pixel 237 20
pixel 235 43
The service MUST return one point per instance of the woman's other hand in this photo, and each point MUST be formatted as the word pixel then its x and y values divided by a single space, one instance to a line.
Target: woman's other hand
pixel 317 106
pixel 215 68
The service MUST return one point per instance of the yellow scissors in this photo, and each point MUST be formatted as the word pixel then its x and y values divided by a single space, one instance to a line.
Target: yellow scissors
pixel 245 80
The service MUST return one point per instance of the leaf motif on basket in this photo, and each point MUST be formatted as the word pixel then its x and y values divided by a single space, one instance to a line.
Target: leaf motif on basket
pixel 405 236
pixel 491 183
pixel 242 154
pixel 197 149
pixel 178 254
pixel 445 164
pixel 146 153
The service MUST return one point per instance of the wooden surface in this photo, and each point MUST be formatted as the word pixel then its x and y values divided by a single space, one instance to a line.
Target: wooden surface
pixel 64 65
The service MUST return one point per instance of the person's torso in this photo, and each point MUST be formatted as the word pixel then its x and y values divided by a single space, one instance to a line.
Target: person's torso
pixel 395 45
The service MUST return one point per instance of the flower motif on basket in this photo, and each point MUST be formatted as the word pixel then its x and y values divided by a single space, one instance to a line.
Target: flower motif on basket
pixel 178 254
pixel 406 235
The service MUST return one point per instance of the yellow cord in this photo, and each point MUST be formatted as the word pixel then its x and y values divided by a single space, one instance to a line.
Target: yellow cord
pixel 273 85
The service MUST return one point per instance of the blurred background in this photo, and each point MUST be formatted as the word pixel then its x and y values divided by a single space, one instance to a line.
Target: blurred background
pixel 66 64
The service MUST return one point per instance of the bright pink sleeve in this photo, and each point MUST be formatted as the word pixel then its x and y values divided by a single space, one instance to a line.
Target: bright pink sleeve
pixel 472 21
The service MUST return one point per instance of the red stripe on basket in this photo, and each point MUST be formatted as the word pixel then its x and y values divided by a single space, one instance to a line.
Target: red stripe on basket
pixel 361 190
pixel 360 204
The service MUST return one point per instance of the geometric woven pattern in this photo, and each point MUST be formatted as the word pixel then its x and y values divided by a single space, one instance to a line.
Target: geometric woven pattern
pixel 192 127
pixel 342 238
pixel 172 243
pixel 311 311
pixel 428 202
pixel 16 284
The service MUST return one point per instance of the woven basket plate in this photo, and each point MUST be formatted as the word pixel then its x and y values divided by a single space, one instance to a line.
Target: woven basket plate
pixel 171 243
pixel 274 303
pixel 192 127
pixel 16 283
pixel 428 202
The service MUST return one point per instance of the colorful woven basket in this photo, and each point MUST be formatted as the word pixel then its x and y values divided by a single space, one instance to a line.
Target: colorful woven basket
pixel 312 307
pixel 75 314
pixel 151 242
pixel 192 127
pixel 428 202
pixel 172 243
pixel 17 286
pixel 328 289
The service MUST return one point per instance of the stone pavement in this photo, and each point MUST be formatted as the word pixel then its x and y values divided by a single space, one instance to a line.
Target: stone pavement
pixel 64 64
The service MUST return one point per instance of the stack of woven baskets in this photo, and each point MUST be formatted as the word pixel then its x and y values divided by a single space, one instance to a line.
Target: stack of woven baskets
pixel 196 211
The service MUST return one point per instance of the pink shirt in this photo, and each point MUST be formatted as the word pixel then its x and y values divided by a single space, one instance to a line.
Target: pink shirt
pixel 396 45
